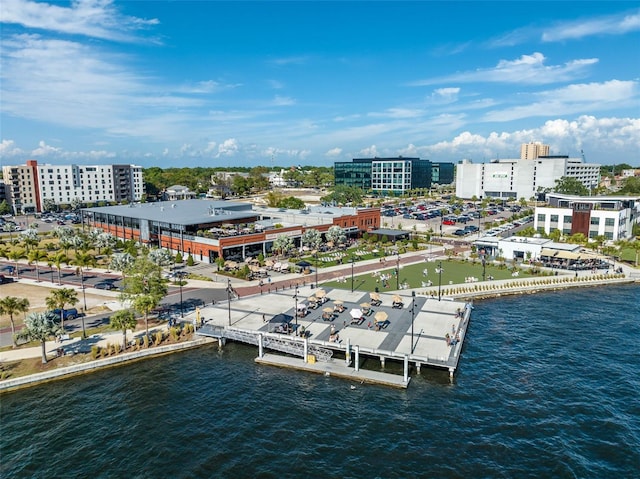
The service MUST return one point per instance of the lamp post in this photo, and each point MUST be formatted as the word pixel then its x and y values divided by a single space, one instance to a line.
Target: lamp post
pixel 413 305
pixel 229 298
pixel 397 269
pixel 316 258
pixel 576 265
pixel 439 280
pixel 295 311
pixel 352 263
pixel 181 275
pixel 484 264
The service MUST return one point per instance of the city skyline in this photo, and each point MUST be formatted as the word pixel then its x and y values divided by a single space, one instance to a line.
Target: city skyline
pixel 259 83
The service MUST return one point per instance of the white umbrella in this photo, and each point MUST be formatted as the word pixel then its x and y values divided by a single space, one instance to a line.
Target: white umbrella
pixel 355 313
pixel 302 306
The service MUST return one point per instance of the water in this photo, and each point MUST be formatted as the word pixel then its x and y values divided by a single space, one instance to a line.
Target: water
pixel 548 386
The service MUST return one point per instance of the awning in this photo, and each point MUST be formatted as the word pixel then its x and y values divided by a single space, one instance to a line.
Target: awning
pixel 560 254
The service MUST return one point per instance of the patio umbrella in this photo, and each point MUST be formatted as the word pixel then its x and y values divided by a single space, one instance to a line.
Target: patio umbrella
pixel 302 306
pixel 320 293
pixel 365 305
pixel 397 298
pixel 327 310
pixel 380 316
pixel 338 301
pixel 268 263
pixel 356 313
pixel 303 264
pixel 312 299
pixel 374 296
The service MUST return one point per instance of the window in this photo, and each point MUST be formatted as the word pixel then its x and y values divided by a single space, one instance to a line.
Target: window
pixel 609 222
pixel 567 219
pixel 554 218
pixel 595 221
pixel 541 216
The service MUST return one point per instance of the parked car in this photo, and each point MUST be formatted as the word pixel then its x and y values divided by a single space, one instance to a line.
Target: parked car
pixel 71 313
pixel 5 279
pixel 448 221
pixel 460 232
pixel 104 285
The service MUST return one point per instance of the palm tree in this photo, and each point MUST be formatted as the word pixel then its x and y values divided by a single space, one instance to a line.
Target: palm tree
pixel 9 228
pixel 11 305
pixel 57 260
pixel 34 256
pixel 39 327
pixel 16 255
pixel 123 320
pixel 59 298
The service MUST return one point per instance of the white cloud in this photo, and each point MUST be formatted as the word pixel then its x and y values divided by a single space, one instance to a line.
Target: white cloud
pixel 369 152
pixel 8 149
pixel 572 99
pixel 333 152
pixel 283 101
pixel 92 18
pixel 228 147
pixel 528 69
pixel 619 24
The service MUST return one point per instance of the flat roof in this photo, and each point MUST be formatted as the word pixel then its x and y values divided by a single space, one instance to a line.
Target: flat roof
pixel 202 211
pixel 183 212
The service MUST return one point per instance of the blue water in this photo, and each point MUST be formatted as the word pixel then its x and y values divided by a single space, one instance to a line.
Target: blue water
pixel 548 386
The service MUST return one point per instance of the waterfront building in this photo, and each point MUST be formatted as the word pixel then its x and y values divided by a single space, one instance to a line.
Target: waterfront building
pixel 211 229
pixel 177 193
pixel 394 176
pixel 612 217
pixel 31 186
pixel 512 179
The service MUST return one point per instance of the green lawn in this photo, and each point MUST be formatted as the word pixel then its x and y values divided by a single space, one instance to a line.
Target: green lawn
pixel 452 271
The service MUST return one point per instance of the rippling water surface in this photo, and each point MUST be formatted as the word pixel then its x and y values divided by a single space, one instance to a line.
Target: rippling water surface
pixel 548 386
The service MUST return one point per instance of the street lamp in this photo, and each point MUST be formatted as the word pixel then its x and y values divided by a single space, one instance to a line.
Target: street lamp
pixel 484 265
pixel 295 311
pixel 180 276
pixel 576 265
pixel 352 263
pixel 316 258
pixel 229 298
pixel 397 269
pixel 413 305
pixel 439 280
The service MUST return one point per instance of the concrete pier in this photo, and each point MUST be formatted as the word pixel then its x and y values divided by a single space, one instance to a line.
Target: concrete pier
pixel 425 333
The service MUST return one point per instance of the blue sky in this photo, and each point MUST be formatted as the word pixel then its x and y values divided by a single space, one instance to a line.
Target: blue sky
pixel 208 83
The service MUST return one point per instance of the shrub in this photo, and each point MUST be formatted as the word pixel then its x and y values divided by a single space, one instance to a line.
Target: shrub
pixel 190 261
pixel 158 338
pixel 117 348
pixel 145 339
pixel 95 351
pixel 179 258
pixel 173 333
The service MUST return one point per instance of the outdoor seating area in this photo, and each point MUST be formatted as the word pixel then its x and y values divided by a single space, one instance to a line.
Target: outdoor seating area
pixel 397 302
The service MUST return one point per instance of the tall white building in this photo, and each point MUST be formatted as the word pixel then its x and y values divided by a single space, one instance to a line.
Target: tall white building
pixel 32 185
pixel 521 178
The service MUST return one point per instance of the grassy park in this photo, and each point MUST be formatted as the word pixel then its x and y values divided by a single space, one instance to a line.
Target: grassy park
pixel 453 272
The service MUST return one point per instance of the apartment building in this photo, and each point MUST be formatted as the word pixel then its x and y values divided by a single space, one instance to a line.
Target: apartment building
pixel 531 151
pixel 31 186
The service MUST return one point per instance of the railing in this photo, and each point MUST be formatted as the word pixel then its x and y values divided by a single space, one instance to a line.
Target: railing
pixel 280 343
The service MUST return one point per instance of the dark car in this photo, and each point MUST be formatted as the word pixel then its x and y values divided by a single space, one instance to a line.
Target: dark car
pixel 471 228
pixel 104 285
pixel 5 279
pixel 71 313
pixel 460 232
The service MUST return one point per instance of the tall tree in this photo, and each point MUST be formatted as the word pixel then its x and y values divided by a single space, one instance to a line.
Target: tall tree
pixel 58 260
pixel 144 287
pixel 34 257
pixel 59 298
pixel 15 256
pixel 40 327
pixel 123 320
pixel 11 305
pixel 570 186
